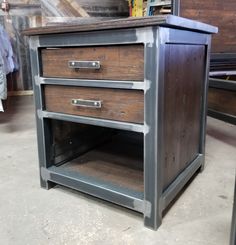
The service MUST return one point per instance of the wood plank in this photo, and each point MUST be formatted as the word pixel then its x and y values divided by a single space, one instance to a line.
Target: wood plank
pixel 117 104
pixel 167 20
pixel 216 12
pixel 184 76
pixel 222 100
pixel 78 7
pixel 125 62
pixel 123 169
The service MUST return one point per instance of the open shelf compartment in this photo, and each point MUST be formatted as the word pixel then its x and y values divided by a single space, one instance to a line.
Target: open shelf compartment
pixel 99 157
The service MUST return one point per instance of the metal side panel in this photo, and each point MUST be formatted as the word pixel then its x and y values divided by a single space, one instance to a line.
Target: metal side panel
pixel 93 83
pixel 43 127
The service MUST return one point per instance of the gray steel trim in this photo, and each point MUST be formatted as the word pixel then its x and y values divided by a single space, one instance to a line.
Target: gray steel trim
pixel 176 7
pixel 124 197
pixel 204 101
pixel 179 37
pixel 93 83
pixel 222 84
pixel 95 38
pixel 222 116
pixel 172 191
pixel 153 118
pixel 182 23
pixel 94 121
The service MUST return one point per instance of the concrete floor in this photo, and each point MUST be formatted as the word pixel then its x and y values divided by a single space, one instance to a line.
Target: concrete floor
pixel 31 215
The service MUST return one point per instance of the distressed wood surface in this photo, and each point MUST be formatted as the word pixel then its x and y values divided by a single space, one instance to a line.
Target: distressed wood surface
pixel 184 76
pixel 59 21
pixel 124 62
pixel 222 100
pixel 117 104
pixel 118 162
pixel 167 20
pixel 216 12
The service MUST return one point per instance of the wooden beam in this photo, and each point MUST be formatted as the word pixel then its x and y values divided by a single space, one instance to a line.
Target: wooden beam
pixel 20 93
pixel 78 7
pixel 62 8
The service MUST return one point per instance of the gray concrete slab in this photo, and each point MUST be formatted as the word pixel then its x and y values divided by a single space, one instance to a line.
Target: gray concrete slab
pixel 31 215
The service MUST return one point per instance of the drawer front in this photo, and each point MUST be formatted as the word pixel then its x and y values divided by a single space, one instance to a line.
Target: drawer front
pixel 124 62
pixel 114 104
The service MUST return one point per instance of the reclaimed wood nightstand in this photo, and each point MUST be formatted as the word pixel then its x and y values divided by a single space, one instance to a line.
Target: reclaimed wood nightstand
pixel 121 108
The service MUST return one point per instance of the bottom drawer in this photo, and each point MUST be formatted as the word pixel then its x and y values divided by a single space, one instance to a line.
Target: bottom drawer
pixel 114 104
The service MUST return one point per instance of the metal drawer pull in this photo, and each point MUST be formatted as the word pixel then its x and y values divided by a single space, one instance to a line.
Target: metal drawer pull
pixel 87 103
pixel 84 64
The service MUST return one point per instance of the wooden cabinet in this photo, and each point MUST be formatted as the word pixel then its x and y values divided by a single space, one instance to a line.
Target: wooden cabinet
pixel 121 108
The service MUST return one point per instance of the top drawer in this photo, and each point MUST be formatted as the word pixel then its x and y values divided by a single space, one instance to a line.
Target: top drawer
pixel 123 62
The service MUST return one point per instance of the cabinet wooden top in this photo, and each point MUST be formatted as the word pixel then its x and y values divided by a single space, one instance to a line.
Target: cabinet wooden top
pixel 168 20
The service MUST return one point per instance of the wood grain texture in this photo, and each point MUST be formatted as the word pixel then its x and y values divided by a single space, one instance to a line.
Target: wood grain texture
pixel 184 77
pixel 70 140
pixel 216 12
pixel 222 100
pixel 167 20
pixel 118 163
pixel 117 104
pixel 125 62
